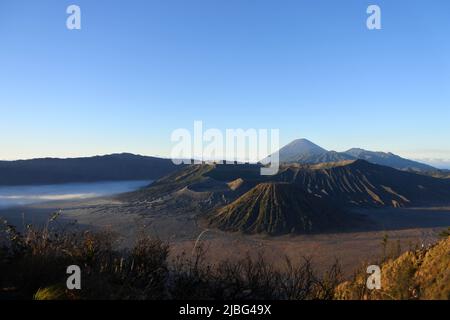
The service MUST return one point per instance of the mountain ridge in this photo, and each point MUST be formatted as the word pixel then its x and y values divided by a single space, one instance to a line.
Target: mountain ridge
pixel 279 208
pixel 113 167
pixel 299 151
pixel 238 198
pixel 350 182
pixel 388 159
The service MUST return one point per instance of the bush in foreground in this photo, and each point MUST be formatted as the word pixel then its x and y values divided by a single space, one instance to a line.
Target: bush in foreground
pixel 417 274
pixel 33 266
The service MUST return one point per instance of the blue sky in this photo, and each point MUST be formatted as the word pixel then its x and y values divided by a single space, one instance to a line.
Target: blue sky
pixel 137 70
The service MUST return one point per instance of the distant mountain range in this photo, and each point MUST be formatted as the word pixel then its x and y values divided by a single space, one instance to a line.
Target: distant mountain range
pixel 299 199
pixel 389 159
pixel 126 166
pixel 304 151
pixel 112 167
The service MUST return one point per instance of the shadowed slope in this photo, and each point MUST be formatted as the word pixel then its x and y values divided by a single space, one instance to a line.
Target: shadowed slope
pixel 114 167
pixel 185 177
pixel 299 199
pixel 362 183
pixel 279 208
pixel 350 182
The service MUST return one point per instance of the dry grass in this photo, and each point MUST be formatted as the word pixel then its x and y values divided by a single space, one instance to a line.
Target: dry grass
pixel 33 265
pixel 417 274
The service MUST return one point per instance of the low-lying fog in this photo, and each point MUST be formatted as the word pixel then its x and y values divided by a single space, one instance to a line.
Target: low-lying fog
pixel 24 195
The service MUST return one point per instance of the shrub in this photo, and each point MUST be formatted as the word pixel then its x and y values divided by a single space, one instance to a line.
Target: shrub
pixel 34 266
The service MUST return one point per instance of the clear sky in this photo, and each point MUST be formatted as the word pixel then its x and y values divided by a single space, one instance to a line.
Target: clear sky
pixel 137 70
